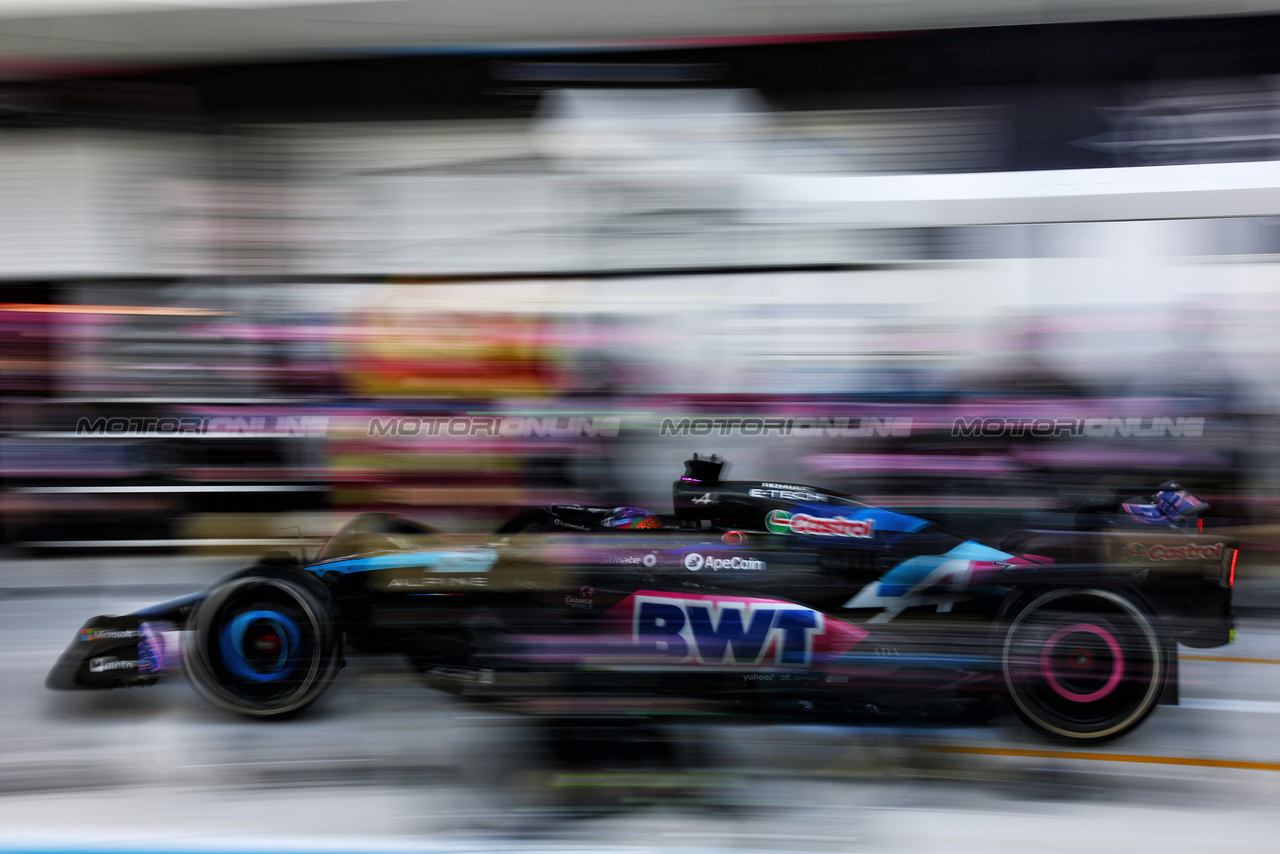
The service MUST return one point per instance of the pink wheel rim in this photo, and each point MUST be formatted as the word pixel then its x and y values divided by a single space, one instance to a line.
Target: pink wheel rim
pixel 1046 664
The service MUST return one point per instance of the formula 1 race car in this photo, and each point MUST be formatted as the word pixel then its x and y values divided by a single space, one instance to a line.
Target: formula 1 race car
pixel 761 598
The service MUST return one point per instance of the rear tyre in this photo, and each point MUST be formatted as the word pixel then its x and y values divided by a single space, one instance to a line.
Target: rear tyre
pixel 262 644
pixel 1086 665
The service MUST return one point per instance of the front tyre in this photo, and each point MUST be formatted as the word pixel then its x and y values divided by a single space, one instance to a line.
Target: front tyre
pixel 262 645
pixel 1083 664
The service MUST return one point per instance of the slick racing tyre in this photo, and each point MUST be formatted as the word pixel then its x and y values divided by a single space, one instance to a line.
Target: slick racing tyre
pixel 262 644
pixel 1081 664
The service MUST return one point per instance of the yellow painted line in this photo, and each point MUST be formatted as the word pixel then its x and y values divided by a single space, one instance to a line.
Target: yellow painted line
pixel 1229 658
pixel 1104 757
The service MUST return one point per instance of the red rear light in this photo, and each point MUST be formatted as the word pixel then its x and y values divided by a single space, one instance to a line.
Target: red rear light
pixel 1231 577
pixel 1199 527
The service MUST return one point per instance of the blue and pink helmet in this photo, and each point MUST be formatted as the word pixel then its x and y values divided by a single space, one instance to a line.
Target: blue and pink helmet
pixel 631 518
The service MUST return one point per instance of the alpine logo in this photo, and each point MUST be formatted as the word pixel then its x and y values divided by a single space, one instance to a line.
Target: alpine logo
pixel 440 581
pixel 737 632
pixel 782 522
pixel 1138 553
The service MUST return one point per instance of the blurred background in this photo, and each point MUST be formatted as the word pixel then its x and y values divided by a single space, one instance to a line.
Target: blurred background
pixel 239 239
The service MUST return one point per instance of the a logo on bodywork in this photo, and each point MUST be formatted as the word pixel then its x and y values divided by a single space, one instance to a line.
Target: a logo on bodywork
pixel 735 631
pixel 649 560
pixel 1134 552
pixel 786 494
pixel 439 581
pixel 95 634
pixel 783 522
pixel 695 561
pixel 1137 552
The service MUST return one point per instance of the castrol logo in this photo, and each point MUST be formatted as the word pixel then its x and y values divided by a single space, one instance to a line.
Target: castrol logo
pixel 1138 553
pixel 782 522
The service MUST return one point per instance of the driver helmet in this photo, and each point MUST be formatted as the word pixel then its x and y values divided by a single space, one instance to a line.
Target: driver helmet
pixel 632 518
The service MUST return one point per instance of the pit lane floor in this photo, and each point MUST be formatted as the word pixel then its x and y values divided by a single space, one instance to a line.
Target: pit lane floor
pixel 384 764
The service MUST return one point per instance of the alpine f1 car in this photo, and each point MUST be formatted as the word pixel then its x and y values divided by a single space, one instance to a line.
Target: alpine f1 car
pixel 775 599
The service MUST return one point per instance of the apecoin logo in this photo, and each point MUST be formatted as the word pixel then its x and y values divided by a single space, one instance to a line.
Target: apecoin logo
pixel 694 562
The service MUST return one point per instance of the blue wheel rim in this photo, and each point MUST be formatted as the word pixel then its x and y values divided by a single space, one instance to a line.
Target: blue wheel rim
pixel 236 633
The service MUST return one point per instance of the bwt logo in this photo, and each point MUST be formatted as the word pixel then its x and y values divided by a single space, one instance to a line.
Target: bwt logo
pixel 706 631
